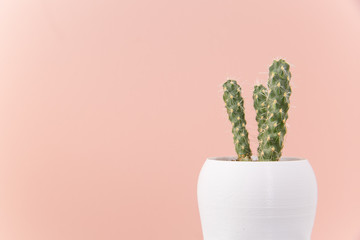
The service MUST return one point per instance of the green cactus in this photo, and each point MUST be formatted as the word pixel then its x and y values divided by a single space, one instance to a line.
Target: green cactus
pixel 260 95
pixel 271 105
pixel 234 104
pixel 277 103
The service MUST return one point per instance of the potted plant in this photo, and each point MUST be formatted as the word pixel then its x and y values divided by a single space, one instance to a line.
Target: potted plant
pixel 268 197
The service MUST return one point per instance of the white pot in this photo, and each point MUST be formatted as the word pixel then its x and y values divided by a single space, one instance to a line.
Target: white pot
pixel 254 200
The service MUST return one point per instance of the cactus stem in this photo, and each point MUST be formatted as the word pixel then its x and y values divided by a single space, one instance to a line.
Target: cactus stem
pixel 277 104
pixel 235 106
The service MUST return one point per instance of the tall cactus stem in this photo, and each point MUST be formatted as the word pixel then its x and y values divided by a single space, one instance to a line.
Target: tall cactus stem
pixel 234 104
pixel 277 103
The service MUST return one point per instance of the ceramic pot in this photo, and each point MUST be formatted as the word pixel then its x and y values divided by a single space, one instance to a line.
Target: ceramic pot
pixel 257 200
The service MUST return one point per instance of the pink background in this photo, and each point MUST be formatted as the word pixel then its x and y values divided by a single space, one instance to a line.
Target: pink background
pixel 108 110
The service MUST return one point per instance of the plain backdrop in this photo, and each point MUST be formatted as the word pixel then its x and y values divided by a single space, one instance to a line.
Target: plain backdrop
pixel 108 109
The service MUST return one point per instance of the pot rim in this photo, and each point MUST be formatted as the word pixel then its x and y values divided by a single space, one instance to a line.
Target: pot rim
pixel 255 160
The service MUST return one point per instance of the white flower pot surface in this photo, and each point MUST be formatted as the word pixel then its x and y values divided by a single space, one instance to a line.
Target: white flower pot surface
pixel 257 200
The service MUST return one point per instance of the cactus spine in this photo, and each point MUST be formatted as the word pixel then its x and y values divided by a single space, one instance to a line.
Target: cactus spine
pixel 260 95
pixel 277 103
pixel 234 104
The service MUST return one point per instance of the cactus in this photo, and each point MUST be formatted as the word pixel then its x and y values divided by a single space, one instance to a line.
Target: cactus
pixel 234 104
pixel 271 105
pixel 277 103
pixel 260 95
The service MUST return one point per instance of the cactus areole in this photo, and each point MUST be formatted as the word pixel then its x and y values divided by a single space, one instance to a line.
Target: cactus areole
pixel 271 105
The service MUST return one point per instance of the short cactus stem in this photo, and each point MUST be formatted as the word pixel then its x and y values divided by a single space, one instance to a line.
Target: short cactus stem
pixel 277 104
pixel 234 104
pixel 260 95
